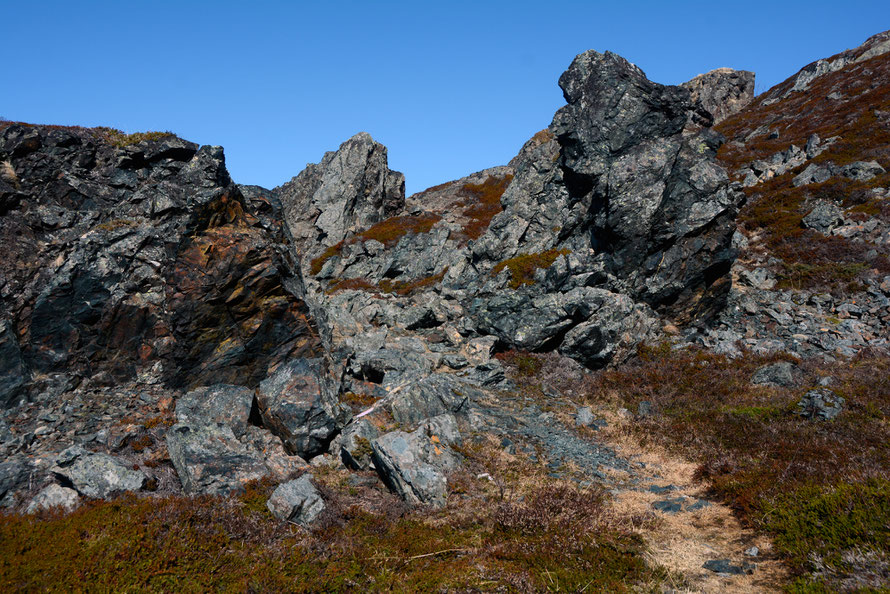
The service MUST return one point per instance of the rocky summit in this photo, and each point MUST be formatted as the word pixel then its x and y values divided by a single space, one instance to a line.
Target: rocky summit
pixel 166 332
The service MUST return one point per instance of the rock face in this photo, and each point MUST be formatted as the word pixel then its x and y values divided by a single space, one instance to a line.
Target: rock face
pixel 128 258
pixel 350 189
pixel 723 92
pixel 13 373
pixel 220 404
pixel 138 262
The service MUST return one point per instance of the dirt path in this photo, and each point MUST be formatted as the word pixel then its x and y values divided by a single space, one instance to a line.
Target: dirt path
pixel 689 530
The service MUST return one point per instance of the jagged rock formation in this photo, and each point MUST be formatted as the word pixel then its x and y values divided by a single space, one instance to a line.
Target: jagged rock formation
pixel 250 332
pixel 137 260
pixel 723 92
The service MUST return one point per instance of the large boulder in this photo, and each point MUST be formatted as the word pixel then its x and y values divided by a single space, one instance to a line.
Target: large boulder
pixel 414 465
pixel 723 92
pixel 96 475
pixel 298 403
pixel 210 460
pixel 296 501
pixel 660 207
pixel 222 404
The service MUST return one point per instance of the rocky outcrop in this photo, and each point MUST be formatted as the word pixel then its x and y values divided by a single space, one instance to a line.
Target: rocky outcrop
pixel 722 92
pixel 132 257
pixel 349 190
pixel 414 464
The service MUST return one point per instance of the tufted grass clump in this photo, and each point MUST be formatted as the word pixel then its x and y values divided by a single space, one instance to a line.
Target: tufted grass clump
pixel 522 267
pixel 121 139
pixel 390 231
pixel 318 263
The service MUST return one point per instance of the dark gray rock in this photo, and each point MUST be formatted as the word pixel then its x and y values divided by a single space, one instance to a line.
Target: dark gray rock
pixel 210 460
pixel 821 405
pixel 670 506
pixel 775 374
pixel 824 218
pixel 95 474
pixel 220 404
pixel 13 371
pixel 723 92
pixel 141 261
pixel 298 403
pixel 414 464
pixel 862 170
pixel 813 174
pixel 15 474
pixel 54 496
pixel 296 501
pixel 725 566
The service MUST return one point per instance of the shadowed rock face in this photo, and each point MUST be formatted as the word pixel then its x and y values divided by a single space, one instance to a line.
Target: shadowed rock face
pixel 723 92
pixel 139 259
pixel 659 210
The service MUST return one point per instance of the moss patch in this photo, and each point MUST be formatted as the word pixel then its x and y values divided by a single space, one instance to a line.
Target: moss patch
pixel 522 267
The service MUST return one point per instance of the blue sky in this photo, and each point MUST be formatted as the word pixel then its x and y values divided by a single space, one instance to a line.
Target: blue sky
pixel 449 88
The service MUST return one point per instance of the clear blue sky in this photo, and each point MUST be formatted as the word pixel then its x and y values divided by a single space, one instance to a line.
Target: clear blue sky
pixel 449 88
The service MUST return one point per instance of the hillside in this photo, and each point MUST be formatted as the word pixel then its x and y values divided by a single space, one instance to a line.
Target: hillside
pixel 650 353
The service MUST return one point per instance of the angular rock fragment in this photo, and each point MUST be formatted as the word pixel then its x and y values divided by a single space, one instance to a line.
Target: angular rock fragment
pixel 96 475
pixel 432 396
pixel 775 374
pixel 820 405
pixel 723 92
pixel 54 496
pixel 296 501
pixel 210 460
pixel 414 464
pixel 355 444
pixel 298 403
pixel 218 404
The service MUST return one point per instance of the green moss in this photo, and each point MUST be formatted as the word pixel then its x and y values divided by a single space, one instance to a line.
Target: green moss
pixel 827 521
pixel 522 267
pixel 362 448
